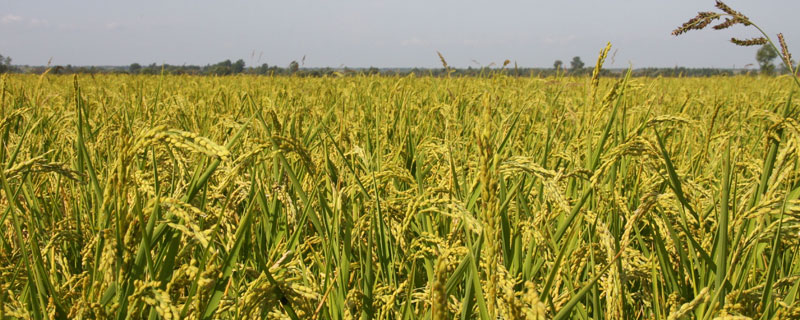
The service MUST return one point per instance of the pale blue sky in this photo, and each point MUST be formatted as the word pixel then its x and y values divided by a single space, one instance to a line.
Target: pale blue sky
pixel 360 33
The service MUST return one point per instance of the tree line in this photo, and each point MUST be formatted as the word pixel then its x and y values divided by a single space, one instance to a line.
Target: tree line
pixel 5 64
pixel 765 57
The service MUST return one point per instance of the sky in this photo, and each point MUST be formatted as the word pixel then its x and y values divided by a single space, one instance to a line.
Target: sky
pixel 361 33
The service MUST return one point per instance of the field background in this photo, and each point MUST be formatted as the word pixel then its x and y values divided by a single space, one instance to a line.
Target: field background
pixel 398 197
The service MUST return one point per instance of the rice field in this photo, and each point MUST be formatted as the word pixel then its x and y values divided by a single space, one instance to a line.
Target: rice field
pixel 399 197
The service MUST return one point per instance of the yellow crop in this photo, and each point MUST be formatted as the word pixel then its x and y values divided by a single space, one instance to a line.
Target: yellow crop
pixel 398 197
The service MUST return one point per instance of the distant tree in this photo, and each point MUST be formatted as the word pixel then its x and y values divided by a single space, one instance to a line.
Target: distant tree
pixel 558 64
pixel 262 69
pixel 576 64
pixel 135 68
pixel 5 64
pixel 150 69
pixel 221 68
pixel 237 66
pixel 764 56
pixel 373 70
pixel 294 66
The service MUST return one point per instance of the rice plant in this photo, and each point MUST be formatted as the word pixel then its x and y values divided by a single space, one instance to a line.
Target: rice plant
pixel 399 197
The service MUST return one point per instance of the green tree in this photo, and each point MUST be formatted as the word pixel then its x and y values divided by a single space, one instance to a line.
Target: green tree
pixel 764 56
pixel 238 66
pixel 294 66
pixel 576 64
pixel 150 69
pixel 221 68
pixel 5 64
pixel 135 68
pixel 262 69
pixel 558 64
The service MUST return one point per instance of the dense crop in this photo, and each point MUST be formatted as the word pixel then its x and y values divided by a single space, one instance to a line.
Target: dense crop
pixel 414 197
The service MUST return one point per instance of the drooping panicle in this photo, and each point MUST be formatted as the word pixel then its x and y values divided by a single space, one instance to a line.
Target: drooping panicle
pixel 726 24
pixel 749 42
pixel 702 20
pixel 738 16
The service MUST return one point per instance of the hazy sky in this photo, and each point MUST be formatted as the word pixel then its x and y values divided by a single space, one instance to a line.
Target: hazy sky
pixel 360 33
